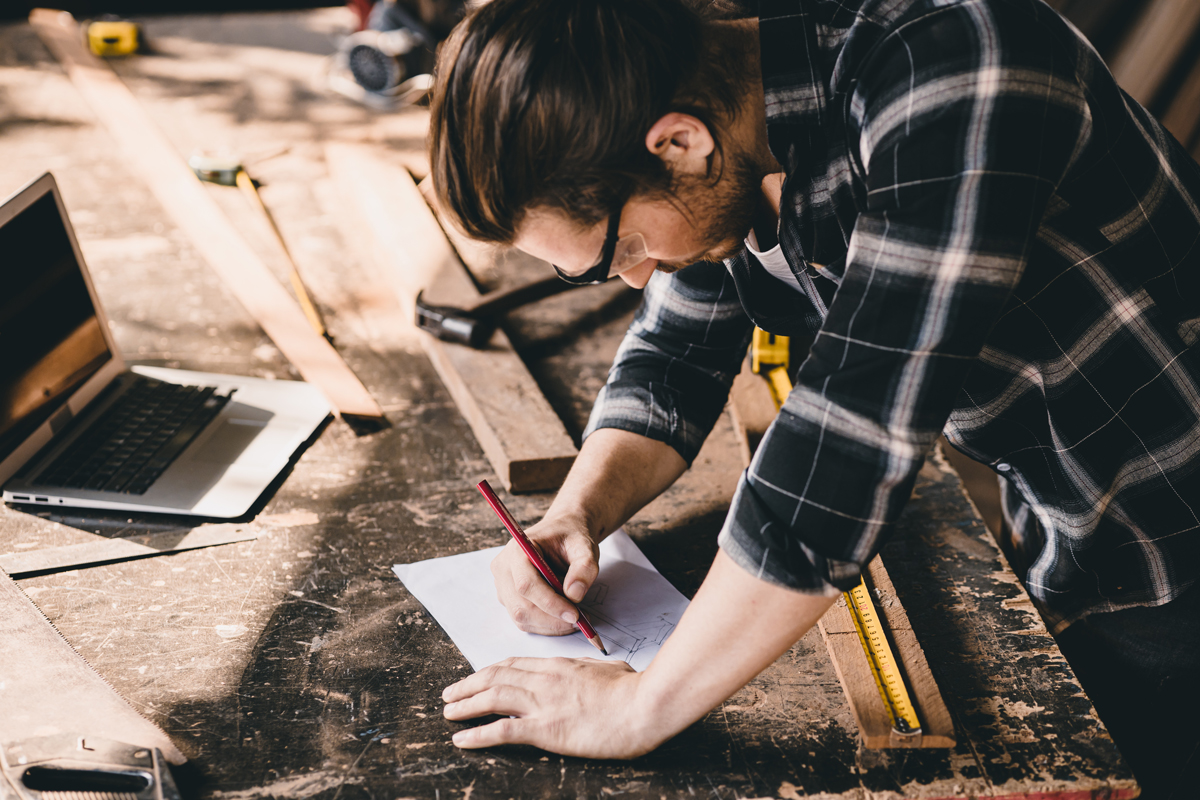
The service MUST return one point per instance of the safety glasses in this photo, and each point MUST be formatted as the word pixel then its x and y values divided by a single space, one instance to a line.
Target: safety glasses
pixel 618 255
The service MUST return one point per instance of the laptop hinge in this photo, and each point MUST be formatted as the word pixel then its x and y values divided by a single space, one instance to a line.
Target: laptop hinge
pixel 61 419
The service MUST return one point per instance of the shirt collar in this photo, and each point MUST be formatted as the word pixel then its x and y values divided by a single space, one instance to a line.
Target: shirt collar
pixel 808 48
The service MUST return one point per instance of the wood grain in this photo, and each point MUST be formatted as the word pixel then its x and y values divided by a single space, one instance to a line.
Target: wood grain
pixel 519 432
pixel 186 199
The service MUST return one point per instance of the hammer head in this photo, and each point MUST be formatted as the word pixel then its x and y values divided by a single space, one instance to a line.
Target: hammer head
pixel 215 169
pixel 454 325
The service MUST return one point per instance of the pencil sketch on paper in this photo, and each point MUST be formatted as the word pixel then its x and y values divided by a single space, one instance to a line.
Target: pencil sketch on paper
pixel 629 636
pixel 633 607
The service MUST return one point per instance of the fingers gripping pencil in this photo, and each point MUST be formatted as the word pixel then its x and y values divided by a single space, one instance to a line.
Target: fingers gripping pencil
pixel 536 559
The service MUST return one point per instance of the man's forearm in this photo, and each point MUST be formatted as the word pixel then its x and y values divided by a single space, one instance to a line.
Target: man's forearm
pixel 615 475
pixel 734 628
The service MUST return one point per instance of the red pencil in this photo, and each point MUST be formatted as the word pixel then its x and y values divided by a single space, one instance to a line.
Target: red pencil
pixel 536 559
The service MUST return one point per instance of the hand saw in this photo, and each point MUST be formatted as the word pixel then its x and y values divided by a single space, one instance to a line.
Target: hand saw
pixel 65 733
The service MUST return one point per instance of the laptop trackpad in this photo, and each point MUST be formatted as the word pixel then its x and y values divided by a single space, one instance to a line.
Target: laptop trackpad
pixel 234 436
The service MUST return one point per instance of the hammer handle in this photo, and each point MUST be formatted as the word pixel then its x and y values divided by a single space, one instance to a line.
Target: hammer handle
pixel 494 303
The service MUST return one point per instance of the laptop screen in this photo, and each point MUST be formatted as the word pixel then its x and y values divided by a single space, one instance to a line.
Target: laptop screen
pixel 48 326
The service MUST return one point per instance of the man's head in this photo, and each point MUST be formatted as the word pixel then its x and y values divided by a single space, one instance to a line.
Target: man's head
pixel 550 117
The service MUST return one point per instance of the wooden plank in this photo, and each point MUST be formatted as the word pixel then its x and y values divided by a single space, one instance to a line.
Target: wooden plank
pixel 845 648
pixel 523 438
pixel 105 550
pixel 1148 54
pixel 187 200
pixel 752 408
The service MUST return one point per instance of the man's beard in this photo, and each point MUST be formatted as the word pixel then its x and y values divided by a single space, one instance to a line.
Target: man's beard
pixel 724 211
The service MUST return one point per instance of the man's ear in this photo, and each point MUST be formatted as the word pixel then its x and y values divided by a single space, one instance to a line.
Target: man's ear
pixel 682 141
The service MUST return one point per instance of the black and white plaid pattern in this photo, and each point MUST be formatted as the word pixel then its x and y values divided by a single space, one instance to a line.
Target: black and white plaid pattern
pixel 1008 249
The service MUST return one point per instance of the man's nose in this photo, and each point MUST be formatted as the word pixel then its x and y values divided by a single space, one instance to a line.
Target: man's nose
pixel 639 276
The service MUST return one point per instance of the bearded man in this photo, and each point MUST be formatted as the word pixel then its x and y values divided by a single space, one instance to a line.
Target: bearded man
pixel 987 238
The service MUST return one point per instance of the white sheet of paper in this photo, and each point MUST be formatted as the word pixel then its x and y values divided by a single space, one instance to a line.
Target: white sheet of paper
pixel 633 607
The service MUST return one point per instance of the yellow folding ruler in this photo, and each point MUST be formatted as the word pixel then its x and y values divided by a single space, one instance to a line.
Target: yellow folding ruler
pixel 769 358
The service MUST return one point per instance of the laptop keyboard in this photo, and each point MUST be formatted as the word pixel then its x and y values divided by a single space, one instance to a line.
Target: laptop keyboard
pixel 136 439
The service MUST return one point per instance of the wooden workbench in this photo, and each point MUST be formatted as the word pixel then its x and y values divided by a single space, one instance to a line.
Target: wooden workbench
pixel 295 665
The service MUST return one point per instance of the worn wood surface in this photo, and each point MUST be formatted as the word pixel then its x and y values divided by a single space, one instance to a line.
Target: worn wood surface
pixel 295 665
pixel 518 430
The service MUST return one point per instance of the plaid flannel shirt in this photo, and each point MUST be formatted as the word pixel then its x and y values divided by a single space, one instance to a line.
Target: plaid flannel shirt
pixel 996 242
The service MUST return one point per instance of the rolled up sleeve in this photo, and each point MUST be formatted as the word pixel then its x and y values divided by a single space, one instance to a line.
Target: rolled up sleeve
pixel 672 373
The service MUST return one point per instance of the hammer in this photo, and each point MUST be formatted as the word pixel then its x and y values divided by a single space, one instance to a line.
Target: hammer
pixel 474 324
pixel 230 172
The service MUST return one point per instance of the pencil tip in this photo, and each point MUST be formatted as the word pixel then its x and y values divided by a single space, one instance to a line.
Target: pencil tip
pixel 603 650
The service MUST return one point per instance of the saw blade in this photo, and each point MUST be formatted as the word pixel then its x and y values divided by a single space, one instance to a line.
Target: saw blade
pixel 47 688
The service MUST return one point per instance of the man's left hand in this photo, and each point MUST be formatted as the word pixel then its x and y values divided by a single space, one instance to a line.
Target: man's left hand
pixel 574 706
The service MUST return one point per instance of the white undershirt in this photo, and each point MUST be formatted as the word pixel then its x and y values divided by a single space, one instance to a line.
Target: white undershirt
pixel 773 262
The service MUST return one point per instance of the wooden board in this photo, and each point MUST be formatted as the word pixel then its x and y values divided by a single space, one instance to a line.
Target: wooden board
pixel 523 438
pixel 149 154
pixel 752 408
pixel 845 648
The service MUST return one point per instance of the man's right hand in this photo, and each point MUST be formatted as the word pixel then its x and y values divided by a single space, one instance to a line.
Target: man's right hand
pixel 533 605
pixel 615 474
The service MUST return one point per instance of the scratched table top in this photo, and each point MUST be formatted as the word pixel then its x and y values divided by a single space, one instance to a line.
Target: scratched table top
pixel 295 665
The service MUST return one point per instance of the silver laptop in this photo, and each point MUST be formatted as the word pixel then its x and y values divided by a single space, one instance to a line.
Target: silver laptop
pixel 77 428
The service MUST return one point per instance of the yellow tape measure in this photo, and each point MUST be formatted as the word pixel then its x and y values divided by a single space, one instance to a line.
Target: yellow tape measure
pixel 883 664
pixel 114 37
pixel 769 353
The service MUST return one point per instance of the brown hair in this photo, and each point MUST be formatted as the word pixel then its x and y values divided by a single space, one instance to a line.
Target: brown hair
pixel 548 102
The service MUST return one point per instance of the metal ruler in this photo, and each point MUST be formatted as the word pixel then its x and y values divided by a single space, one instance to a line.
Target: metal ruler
pixel 769 357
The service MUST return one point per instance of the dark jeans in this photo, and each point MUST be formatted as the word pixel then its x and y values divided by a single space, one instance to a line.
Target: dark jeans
pixel 1141 669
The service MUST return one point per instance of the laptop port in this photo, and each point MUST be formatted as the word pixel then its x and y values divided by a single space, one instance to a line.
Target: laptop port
pixel 42 499
pixel 20 498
